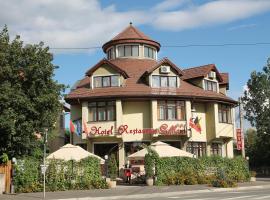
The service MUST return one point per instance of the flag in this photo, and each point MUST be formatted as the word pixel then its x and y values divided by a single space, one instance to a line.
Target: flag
pixel 85 130
pixel 71 127
pixel 195 124
pixel 78 127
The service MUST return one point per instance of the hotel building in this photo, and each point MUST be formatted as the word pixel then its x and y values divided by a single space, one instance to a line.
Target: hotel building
pixel 131 98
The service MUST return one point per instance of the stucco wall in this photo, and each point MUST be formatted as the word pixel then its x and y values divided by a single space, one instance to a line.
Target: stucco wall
pixel 136 114
pixel 222 89
pixel 210 121
pixel 200 113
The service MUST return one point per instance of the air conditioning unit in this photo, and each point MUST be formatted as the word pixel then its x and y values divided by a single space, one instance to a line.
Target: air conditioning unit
pixel 165 69
pixel 212 75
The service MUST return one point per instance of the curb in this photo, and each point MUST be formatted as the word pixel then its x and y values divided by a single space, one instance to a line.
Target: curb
pixel 153 195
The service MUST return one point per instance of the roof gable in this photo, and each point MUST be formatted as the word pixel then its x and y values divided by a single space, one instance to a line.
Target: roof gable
pixel 105 61
pixel 201 71
pixel 165 61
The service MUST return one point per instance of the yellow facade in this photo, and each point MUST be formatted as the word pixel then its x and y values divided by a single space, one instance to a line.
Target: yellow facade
pixel 136 120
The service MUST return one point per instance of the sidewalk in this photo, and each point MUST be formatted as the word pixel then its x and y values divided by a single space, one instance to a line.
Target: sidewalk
pixel 134 191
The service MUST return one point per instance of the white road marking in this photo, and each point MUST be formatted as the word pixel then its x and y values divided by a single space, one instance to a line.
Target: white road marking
pixel 241 197
pixel 263 197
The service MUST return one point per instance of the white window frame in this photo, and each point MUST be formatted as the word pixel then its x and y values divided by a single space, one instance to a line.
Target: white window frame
pixel 211 80
pixel 154 53
pixel 129 44
pixel 177 80
pixel 92 79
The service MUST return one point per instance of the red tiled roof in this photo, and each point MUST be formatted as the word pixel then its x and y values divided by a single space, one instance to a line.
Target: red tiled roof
pixel 200 71
pixel 130 35
pixel 225 78
pixel 131 32
pixel 85 82
pixel 105 61
pixel 135 87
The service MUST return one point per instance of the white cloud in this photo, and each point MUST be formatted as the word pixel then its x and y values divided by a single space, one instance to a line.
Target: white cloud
pixel 170 4
pixel 65 23
pixel 242 26
pixel 214 12
pixel 85 23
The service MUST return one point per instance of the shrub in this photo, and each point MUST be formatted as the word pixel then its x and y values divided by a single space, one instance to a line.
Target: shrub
pixel 60 175
pixel 28 177
pixel 181 170
pixel 112 167
pixel 149 165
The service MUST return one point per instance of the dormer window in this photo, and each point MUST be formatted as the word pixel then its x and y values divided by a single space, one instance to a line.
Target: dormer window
pixel 210 85
pixel 106 81
pixel 128 51
pixel 164 81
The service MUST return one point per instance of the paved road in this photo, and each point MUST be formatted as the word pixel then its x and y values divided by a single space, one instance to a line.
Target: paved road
pixel 247 191
pixel 263 194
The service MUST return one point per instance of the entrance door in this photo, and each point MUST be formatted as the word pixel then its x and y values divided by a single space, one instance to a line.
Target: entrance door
pixel 102 149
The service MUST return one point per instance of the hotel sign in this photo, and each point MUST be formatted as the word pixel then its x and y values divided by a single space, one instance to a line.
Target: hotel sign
pixel 164 129
pixel 239 139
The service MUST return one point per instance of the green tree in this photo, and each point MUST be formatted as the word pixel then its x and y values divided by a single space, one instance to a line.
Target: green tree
pixel 112 167
pixel 29 97
pixel 256 104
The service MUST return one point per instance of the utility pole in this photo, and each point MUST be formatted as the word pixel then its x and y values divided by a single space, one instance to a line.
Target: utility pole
pixel 242 128
pixel 44 162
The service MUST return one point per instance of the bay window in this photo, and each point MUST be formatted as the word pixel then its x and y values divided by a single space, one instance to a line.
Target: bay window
pixel 171 110
pixel 224 114
pixel 101 111
pixel 164 81
pixel 106 81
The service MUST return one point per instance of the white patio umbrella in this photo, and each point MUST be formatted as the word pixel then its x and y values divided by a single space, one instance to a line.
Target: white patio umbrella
pixel 163 150
pixel 72 152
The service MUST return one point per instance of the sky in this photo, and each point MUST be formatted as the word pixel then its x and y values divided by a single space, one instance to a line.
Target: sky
pixel 90 23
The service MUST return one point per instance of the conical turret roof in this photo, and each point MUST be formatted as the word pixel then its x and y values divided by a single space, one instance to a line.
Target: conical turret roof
pixel 131 35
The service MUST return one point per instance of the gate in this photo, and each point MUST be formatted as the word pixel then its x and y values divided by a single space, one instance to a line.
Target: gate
pixel 6 170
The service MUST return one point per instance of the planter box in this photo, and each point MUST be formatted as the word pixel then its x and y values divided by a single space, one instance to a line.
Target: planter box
pixel 112 184
pixel 252 179
pixel 149 181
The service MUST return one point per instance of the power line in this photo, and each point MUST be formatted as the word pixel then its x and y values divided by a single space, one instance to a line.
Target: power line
pixel 172 46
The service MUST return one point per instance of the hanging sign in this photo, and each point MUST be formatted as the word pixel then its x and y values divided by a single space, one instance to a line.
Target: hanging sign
pixel 239 139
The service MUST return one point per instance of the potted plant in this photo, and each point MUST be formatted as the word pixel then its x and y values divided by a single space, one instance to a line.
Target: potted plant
pixel 252 176
pixel 113 171
pixel 149 169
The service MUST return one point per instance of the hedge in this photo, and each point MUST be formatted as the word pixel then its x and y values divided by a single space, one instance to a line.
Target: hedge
pixel 215 170
pixel 60 175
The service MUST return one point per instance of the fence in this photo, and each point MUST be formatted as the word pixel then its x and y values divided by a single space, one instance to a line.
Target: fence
pixel 6 169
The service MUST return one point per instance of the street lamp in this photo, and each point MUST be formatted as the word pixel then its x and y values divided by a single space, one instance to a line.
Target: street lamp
pixel 247 159
pixel 106 165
